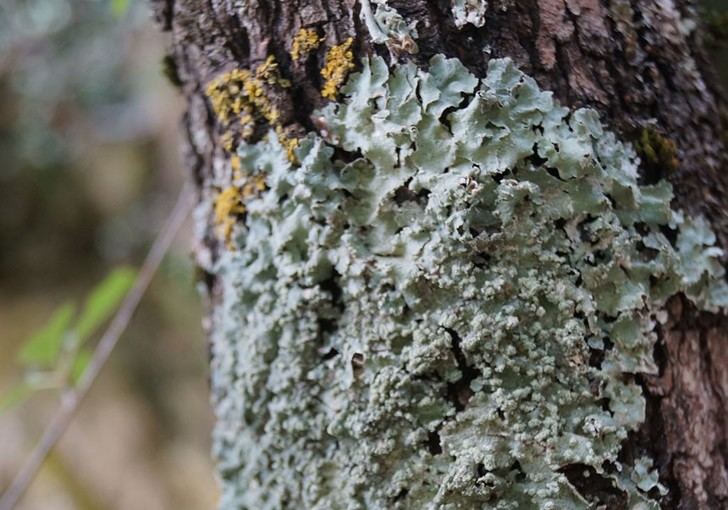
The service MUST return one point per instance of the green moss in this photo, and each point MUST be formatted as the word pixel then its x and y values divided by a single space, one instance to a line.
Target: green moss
pixel 715 22
pixel 658 153
pixel 169 69
pixel 452 315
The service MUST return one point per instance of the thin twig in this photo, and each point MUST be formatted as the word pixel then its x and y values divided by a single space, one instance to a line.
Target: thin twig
pixel 72 397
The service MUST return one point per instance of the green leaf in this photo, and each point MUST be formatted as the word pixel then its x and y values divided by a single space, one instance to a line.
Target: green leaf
pixel 83 358
pixel 119 7
pixel 15 396
pixel 44 346
pixel 103 300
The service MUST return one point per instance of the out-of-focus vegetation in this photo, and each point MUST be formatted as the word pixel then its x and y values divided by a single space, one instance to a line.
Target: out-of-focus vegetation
pixel 89 168
pixel 715 18
pixel 57 355
pixel 77 120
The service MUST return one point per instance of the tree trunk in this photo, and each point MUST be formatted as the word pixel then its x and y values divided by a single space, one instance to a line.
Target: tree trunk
pixel 355 365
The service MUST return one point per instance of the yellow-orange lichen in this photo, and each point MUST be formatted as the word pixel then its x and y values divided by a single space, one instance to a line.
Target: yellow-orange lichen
pixel 253 184
pixel 304 42
pixel 339 61
pixel 236 167
pixel 244 94
pixel 227 141
pixel 229 203
pixel 289 143
pixel 225 94
pixel 268 72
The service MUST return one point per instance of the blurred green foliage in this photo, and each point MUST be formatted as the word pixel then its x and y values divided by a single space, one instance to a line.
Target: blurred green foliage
pixel 55 357
pixel 119 7
pixel 43 348
pixel 103 300
pixel 65 87
pixel 57 56
pixel 714 18
pixel 88 169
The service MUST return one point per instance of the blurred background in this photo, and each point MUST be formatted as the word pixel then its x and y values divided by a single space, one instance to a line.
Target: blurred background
pixel 89 169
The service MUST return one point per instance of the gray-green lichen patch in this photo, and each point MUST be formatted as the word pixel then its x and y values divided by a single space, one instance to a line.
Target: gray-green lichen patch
pixel 387 26
pixel 469 12
pixel 445 303
pixel 473 12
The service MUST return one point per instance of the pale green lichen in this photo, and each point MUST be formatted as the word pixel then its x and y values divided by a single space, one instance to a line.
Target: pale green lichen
pixel 700 266
pixel 645 477
pixel 387 26
pixel 453 316
pixel 469 12
pixel 472 12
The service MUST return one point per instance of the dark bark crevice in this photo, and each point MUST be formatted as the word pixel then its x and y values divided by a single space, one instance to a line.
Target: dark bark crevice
pixel 685 429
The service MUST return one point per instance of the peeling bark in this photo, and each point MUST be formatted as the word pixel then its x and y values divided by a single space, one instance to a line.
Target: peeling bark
pixel 638 62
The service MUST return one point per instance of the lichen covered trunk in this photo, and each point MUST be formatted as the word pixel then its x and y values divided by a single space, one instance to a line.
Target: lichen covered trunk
pixel 459 255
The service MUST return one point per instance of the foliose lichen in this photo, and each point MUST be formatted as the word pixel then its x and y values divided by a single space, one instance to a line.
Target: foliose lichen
pixel 387 26
pixel 469 12
pixel 472 12
pixel 445 303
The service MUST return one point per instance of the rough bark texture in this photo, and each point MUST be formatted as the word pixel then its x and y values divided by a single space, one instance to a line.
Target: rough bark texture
pixel 638 62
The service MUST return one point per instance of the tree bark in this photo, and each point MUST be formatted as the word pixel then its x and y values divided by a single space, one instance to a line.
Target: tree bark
pixel 639 63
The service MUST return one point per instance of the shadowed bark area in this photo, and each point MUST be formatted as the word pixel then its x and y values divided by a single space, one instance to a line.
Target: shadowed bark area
pixel 638 62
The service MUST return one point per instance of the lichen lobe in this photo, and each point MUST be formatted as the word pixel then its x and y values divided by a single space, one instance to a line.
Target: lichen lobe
pixel 452 317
